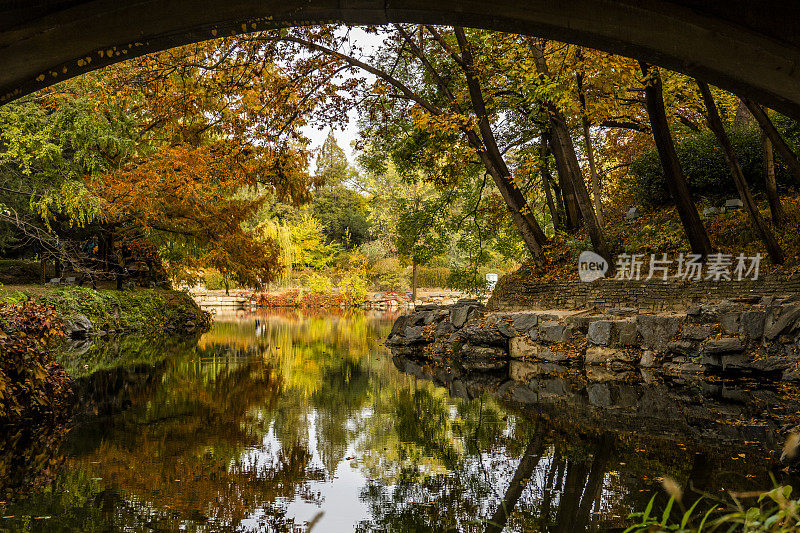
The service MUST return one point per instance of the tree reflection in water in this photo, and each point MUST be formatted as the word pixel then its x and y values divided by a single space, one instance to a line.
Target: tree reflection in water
pixel 273 421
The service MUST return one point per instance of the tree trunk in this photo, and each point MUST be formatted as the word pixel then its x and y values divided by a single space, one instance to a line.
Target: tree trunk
pixel 564 151
pixel 413 281
pixel 572 211
pixel 775 207
pixel 545 172
pixel 783 149
pixel 673 174
pixel 492 158
pixel 593 176
pixel 715 123
pixel 525 468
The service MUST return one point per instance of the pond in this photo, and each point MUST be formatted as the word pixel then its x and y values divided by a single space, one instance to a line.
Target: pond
pixel 303 422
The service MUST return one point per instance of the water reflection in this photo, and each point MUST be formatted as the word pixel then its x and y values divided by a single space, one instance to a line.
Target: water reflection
pixel 287 422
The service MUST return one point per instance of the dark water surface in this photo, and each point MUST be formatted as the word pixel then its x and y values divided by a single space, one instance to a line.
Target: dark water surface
pixel 296 422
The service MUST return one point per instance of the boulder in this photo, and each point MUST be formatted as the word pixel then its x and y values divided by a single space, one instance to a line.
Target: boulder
pixel 399 326
pixel 733 203
pixel 753 323
pixel 599 395
pixel 524 322
pixel 632 214
pixel 79 327
pixel 695 332
pixel 682 347
pixel 730 323
pixel 552 331
pixel 657 330
pixel 786 319
pixel 722 346
pixel 648 359
pixel 522 347
pixel 600 355
pixel 627 334
pixel 623 311
pixel 460 314
pixel 600 332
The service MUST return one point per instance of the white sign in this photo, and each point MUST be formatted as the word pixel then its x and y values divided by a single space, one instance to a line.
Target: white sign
pixel 591 266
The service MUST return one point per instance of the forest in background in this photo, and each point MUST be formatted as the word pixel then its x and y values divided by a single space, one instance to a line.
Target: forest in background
pixel 478 151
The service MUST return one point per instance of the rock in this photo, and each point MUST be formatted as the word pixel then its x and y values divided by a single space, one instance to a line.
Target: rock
pixel 523 371
pixel 787 318
pixel 632 214
pixel 648 359
pixel 695 332
pixel 627 334
pixel 483 358
pixel 581 322
pixel 523 394
pixel 399 326
pixel 79 327
pixel 553 356
pixel 524 322
pixel 552 331
pixel 54 281
pixel 710 211
pixel 733 203
pixel 730 323
pixel 600 355
pixel 753 323
pixel 70 280
pixel 503 324
pixel 600 332
pixel 657 330
pixel 599 395
pixel 721 346
pixel 481 332
pixel 460 314
pixel 684 368
pixel 623 311
pixel 682 347
pixel 522 347
pixel 459 390
pixel 413 334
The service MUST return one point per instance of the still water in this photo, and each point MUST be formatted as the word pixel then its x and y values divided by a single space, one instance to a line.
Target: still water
pixel 302 422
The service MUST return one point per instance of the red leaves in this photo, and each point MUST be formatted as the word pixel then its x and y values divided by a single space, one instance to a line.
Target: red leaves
pixel 31 383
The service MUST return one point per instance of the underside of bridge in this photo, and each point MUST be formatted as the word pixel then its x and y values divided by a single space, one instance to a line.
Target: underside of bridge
pixel 751 47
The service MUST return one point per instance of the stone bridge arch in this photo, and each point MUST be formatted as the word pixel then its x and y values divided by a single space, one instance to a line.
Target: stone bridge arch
pixel 751 47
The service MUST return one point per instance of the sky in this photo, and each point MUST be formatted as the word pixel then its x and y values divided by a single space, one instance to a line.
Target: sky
pixel 345 138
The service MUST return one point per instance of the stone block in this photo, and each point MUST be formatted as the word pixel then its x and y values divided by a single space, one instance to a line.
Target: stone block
pixel 523 347
pixel 695 332
pixel 730 323
pixel 785 320
pixel 600 332
pixel 648 359
pixel 627 334
pixel 752 323
pixel 600 355
pixel 682 347
pixel 552 331
pixel 524 322
pixel 722 346
pixel 599 395
pixel 657 330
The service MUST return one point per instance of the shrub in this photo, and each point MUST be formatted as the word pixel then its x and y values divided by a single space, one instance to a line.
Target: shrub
pixel 704 166
pixel 387 275
pixel 214 280
pixel 32 384
pixel 356 288
pixel 319 283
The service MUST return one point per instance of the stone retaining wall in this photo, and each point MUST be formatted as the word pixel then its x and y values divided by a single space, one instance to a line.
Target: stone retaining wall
pixel 513 293
pixel 750 334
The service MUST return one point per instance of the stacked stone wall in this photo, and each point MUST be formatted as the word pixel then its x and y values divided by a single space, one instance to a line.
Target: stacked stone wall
pixel 513 293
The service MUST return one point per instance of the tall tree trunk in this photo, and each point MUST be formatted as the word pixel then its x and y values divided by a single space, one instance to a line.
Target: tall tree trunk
pixel 564 151
pixel 673 174
pixel 493 160
pixel 783 149
pixel 545 172
pixel 571 209
pixel 715 123
pixel 593 176
pixel 775 207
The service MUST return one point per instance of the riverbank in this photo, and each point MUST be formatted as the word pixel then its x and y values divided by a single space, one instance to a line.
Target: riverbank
pixel 47 335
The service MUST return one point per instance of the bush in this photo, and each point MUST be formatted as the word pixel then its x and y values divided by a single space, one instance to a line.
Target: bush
pixel 214 280
pixel 431 277
pixel 387 275
pixel 356 288
pixel 318 283
pixel 704 166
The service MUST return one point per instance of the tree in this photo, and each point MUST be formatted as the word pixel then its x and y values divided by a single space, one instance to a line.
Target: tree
pixel 673 175
pixel 778 143
pixel 715 124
